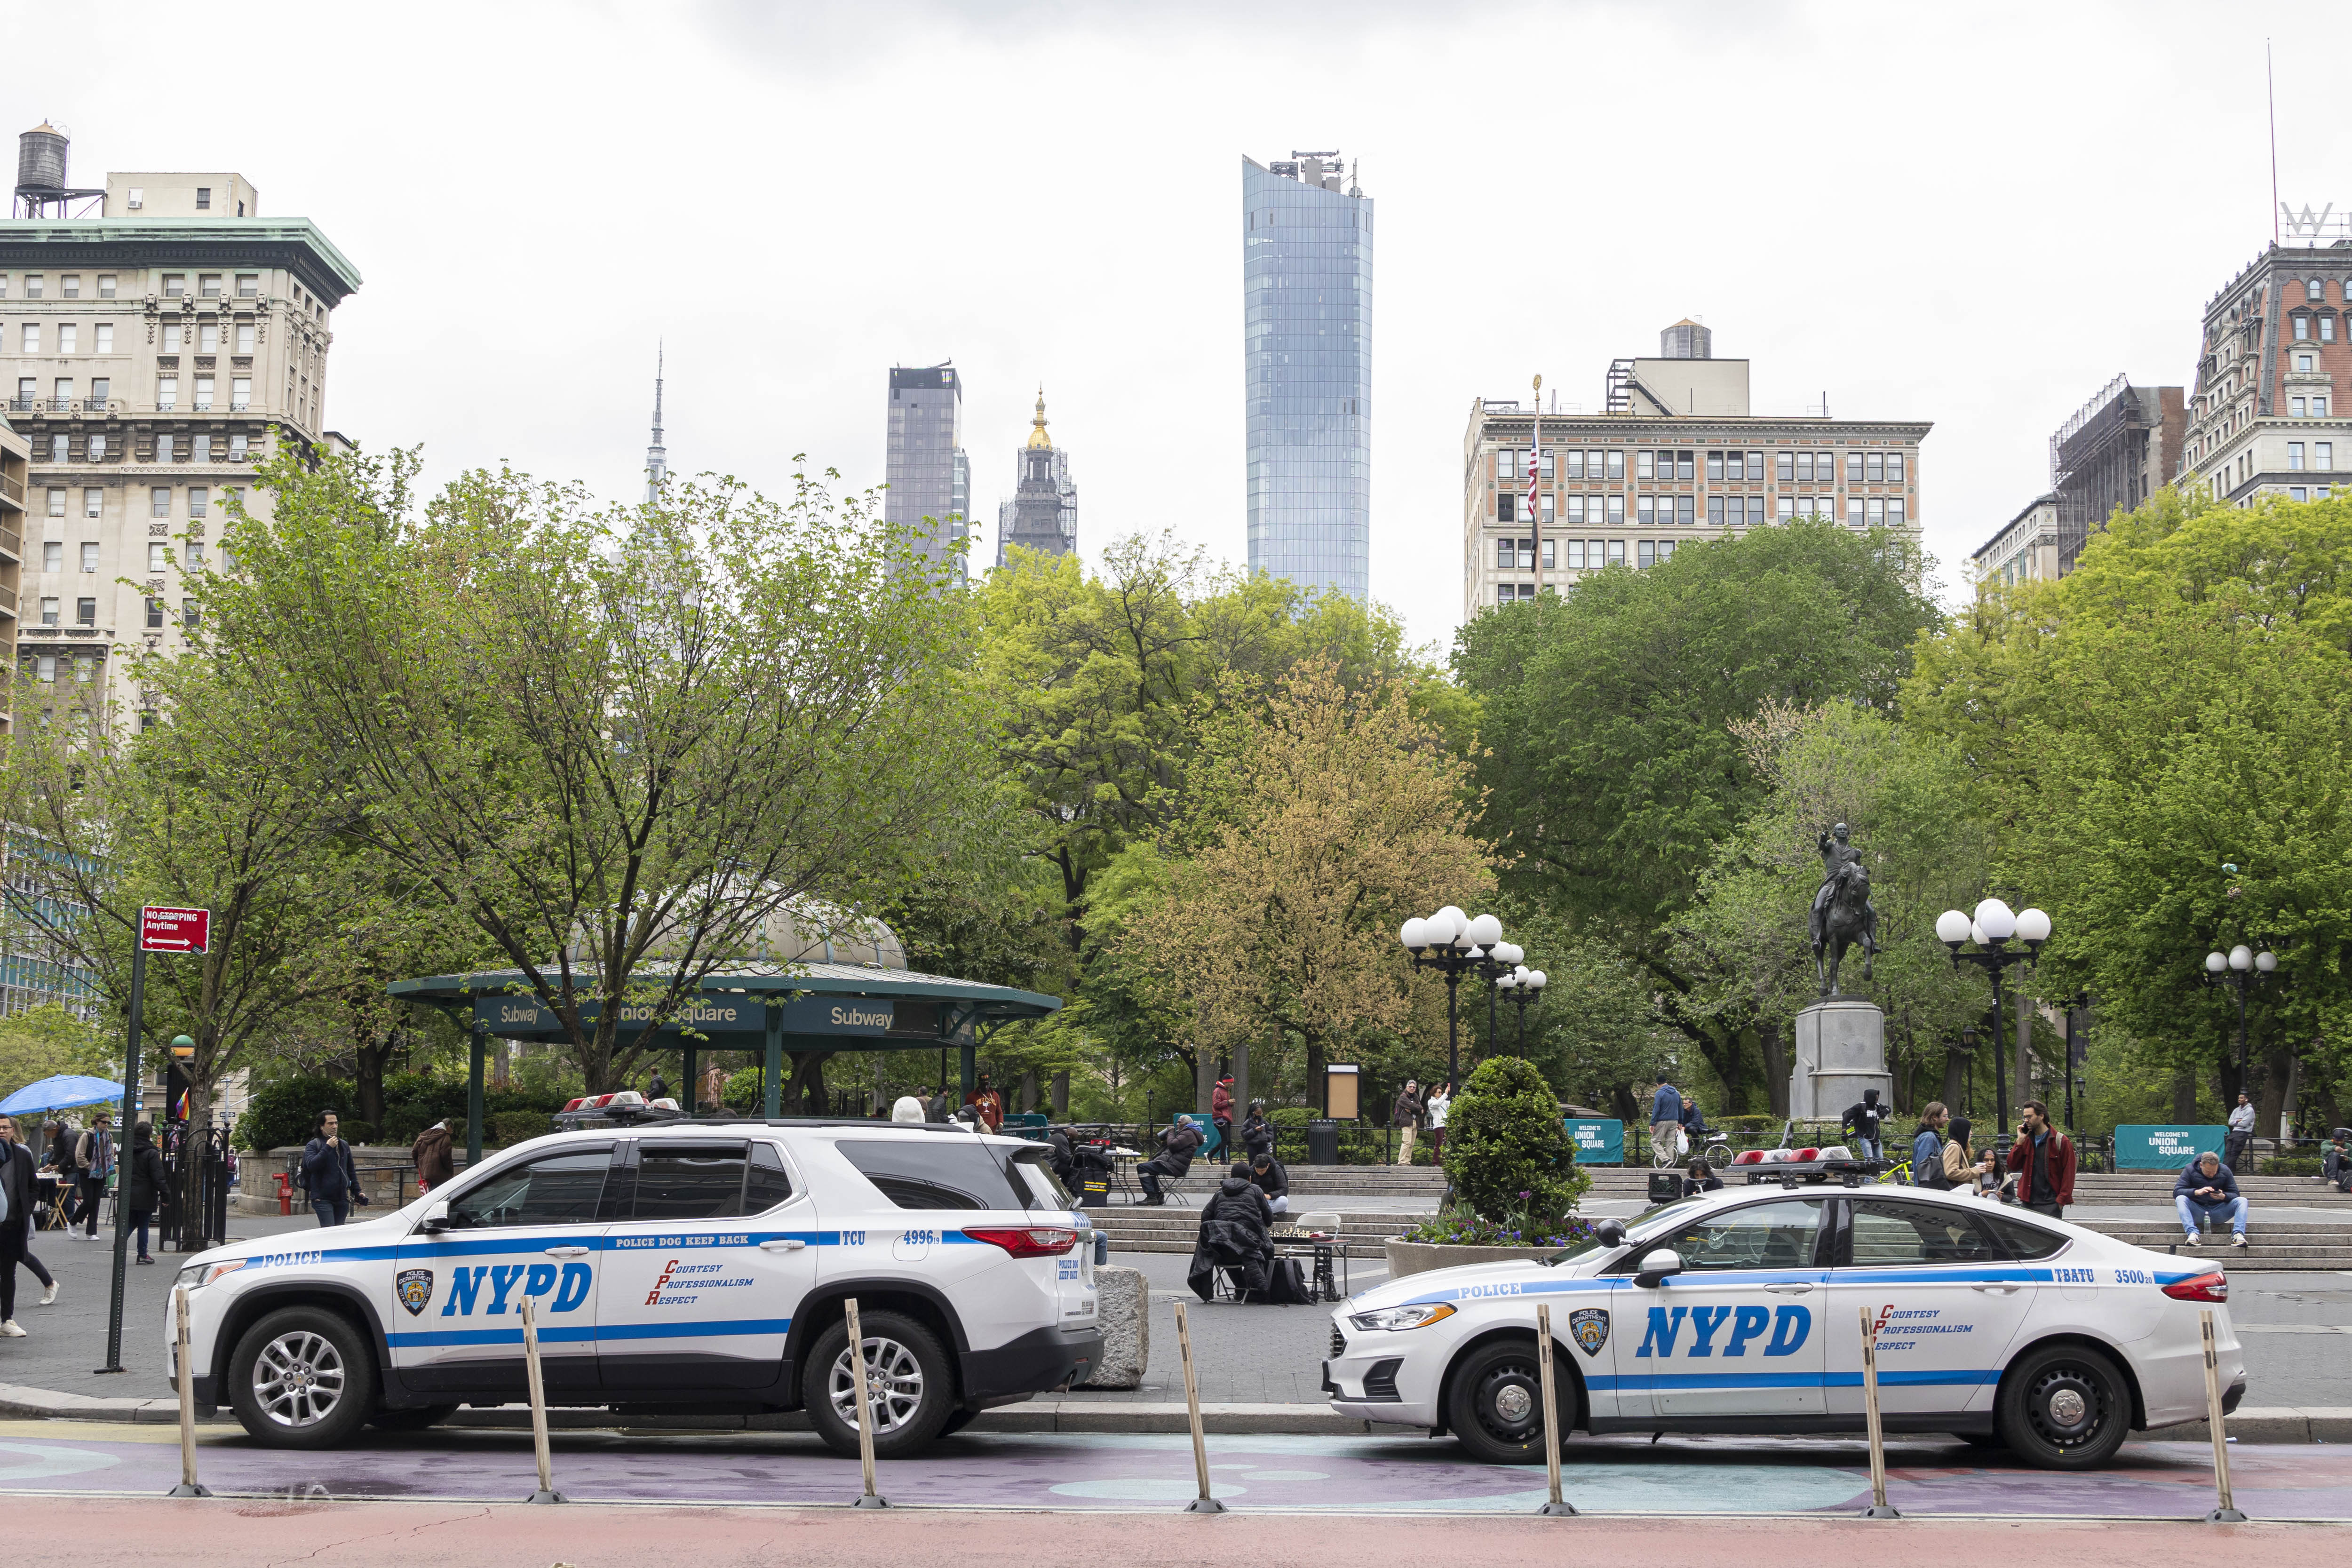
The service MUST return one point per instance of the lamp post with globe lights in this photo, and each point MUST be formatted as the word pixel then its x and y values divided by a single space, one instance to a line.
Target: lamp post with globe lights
pixel 2233 969
pixel 1454 944
pixel 1522 986
pixel 1991 929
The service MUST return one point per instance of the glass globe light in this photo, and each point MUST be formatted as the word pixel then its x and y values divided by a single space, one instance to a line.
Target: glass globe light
pixel 2267 960
pixel 1486 932
pixel 1446 924
pixel 2215 963
pixel 2242 957
pixel 1415 933
pixel 1999 921
pixel 2033 925
pixel 1952 927
pixel 1537 979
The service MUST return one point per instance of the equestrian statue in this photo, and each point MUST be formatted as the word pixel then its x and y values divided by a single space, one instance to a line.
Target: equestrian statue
pixel 1842 912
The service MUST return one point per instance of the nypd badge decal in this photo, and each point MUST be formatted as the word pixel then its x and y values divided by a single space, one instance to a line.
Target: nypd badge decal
pixel 1589 1327
pixel 415 1289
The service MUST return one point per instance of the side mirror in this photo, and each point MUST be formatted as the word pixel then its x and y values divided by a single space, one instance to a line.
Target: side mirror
pixel 436 1218
pixel 1656 1266
pixel 1609 1232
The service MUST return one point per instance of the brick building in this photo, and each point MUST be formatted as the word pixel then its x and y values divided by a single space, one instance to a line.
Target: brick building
pixel 2267 415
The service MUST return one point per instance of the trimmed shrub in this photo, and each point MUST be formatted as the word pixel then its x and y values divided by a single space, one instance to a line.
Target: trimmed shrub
pixel 515 1126
pixel 285 1111
pixel 1506 1151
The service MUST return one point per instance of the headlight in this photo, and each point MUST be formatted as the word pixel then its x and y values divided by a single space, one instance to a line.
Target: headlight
pixel 196 1275
pixel 1414 1317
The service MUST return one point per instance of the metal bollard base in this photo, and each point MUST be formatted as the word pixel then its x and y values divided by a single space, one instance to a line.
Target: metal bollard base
pixel 547 1497
pixel 2225 1516
pixel 1205 1505
pixel 189 1488
pixel 1556 1510
pixel 870 1500
pixel 1880 1511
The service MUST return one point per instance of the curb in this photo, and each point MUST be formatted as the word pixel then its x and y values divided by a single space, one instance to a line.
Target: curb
pixel 2320 1424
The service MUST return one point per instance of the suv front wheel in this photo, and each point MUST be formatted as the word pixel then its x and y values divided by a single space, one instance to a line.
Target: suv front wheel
pixel 302 1377
pixel 908 1387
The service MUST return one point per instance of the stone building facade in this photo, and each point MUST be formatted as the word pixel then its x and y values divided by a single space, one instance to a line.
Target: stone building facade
pixel 1043 514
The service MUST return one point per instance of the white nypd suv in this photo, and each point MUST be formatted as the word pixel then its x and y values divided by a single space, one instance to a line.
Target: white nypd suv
pixel 697 1266
pixel 1743 1311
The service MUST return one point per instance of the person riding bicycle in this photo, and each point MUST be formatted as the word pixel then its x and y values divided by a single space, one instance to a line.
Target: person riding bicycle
pixel 1694 1122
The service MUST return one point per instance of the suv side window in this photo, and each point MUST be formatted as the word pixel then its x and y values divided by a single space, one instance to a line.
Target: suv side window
pixel 1890 1233
pixel 935 1172
pixel 2022 1241
pixel 559 1188
pixel 1778 1234
pixel 682 1182
pixel 766 1184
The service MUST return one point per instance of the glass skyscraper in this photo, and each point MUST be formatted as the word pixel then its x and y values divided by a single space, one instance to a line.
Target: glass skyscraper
pixel 1306 332
pixel 928 475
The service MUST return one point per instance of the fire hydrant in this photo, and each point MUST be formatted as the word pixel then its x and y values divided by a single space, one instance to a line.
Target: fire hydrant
pixel 285 1194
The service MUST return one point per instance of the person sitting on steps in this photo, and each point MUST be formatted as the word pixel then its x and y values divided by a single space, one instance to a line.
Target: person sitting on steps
pixel 2208 1188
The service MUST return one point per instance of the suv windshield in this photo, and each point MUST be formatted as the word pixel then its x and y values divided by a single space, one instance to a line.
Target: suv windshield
pixel 1641 1228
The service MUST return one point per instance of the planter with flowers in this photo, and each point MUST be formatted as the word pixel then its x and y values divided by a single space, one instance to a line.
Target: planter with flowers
pixel 1514 1172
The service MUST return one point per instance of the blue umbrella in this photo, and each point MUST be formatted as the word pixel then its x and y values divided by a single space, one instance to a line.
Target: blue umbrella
pixel 62 1092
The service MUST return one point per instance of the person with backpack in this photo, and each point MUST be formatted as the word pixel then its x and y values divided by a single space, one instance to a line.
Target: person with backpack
pixel 328 1175
pixel 1863 1119
pixel 1927 1145
pixel 93 1167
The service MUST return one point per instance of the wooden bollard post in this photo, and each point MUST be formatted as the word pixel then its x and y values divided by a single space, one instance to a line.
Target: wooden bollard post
pixel 546 1492
pixel 2227 1512
pixel 1205 1502
pixel 1558 1506
pixel 871 1498
pixel 189 1486
pixel 1878 1507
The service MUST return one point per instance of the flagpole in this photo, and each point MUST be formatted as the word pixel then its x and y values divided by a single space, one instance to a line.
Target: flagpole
pixel 1535 468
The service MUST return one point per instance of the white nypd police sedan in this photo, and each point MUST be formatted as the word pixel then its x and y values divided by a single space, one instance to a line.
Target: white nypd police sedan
pixel 1742 1310
pixel 693 1266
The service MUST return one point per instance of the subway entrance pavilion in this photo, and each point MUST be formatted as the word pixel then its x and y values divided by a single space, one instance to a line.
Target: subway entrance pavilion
pixel 832 995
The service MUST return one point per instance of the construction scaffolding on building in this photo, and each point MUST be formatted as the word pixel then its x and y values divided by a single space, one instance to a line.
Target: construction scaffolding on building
pixel 2098 462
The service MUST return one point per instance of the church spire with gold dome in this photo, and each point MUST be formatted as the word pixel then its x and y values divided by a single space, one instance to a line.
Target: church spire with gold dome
pixel 1042 514
pixel 1038 439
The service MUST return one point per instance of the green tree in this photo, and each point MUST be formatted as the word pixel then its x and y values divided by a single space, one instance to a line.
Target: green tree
pixel 614 742
pixel 1506 1150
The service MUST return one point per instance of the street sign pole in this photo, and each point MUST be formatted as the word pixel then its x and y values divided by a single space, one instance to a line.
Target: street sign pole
pixel 161 930
pixel 121 1149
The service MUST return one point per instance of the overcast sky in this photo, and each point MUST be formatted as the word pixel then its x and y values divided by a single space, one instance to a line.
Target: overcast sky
pixel 1974 216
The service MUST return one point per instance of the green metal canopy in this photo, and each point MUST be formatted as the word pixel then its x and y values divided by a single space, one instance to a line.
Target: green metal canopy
pixel 807 1006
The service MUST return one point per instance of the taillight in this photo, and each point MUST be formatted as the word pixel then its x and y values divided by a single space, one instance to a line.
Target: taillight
pixel 2212 1287
pixel 1029 1241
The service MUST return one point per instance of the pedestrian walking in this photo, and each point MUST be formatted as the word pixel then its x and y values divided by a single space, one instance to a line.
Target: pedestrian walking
pixel 1221 1116
pixel 144 1181
pixel 2043 1158
pixel 328 1175
pixel 31 1213
pixel 1927 1145
pixel 436 1161
pixel 714 1090
pixel 2241 1134
pixel 656 1088
pixel 1405 1116
pixel 1666 1124
pixel 1440 1101
pixel 16 1213
pixel 93 1168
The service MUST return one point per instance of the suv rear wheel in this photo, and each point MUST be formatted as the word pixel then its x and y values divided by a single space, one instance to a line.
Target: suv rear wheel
pixel 302 1377
pixel 2063 1407
pixel 910 1389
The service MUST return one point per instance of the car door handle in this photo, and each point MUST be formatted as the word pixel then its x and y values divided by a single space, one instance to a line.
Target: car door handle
pixel 1788 1289
pixel 788 1243
pixel 1997 1289
pixel 567 1252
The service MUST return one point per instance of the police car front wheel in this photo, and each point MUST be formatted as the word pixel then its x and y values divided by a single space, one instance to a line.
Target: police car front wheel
pixel 1495 1408
pixel 908 1387
pixel 2063 1407
pixel 302 1377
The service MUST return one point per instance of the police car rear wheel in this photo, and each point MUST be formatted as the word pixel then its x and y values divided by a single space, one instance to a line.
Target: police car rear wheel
pixel 2064 1408
pixel 1496 1409
pixel 909 1391
pixel 302 1377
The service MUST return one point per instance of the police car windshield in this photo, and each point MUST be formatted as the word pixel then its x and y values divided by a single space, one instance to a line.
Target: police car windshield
pixel 1641 1228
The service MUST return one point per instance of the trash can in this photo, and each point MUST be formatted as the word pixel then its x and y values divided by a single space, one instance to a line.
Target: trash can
pixel 1323 1143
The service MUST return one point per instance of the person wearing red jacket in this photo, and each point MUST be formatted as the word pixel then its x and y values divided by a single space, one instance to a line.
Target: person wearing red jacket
pixel 1220 1112
pixel 2043 1158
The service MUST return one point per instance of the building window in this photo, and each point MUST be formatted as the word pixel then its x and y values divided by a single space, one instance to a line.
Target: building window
pixel 233 496
pixel 2323 453
pixel 45 667
pixel 102 338
pixel 1854 511
pixel 2327 329
pixel 84 668
pixel 1505 508
pixel 240 397
pixel 1506 594
pixel 1788 508
pixel 2319 407
pixel 1805 466
pixel 1546 507
pixel 1755 509
pixel 245 337
pixel 196 558
pixel 32 285
pixel 172 338
pixel 89 557
pixel 1686 509
pixel 248 285
pixel 1616 464
pixel 174 285
pixel 1504 558
pixel 97 448
pixel 1666 550
pixel 1572 510
pixel 32 337
pixel 2293 460
pixel 68 336
pixel 57 448
pixel 1715 519
pixel 167 393
pixel 159 501
pixel 1646 555
pixel 208 284
pixel 236 446
pixel 2303 361
pixel 49 612
pixel 93 501
pixel 190 615
pixel 200 448
pixel 2297 493
pixel 208 337
pixel 1575 554
pixel 106 285
pixel 2302 329
pixel 64 392
pixel 101 392
pixel 1646 465
pixel 154 615
pixel 1715 466
pixel 1875 512
pixel 1645 509
pixel 203 393
pixel 53 555
pixel 56 503
pixel 1894 468
pixel 1854 467
pixel 199 498
pixel 1571 468
pixel 1616 511
pixel 159 558
pixel 1546 464
pixel 85 612
pixel 1617 553
pixel 2296 407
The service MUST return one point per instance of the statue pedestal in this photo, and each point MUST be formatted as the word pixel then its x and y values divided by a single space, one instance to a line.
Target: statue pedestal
pixel 1840 1051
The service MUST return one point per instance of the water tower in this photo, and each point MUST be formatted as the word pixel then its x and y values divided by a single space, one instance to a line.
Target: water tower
pixel 41 189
